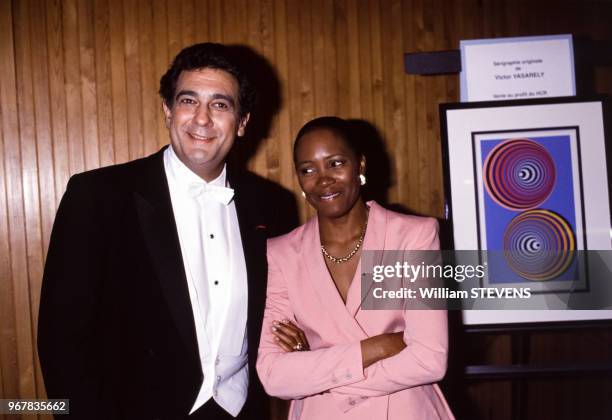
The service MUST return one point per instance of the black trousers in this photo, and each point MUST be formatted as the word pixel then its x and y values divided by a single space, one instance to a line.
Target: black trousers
pixel 257 407
pixel 211 411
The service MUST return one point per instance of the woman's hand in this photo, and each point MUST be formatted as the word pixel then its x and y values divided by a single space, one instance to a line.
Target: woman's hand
pixel 289 337
pixel 380 347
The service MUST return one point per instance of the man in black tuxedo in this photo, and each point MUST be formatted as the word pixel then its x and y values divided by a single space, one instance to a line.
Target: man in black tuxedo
pixel 154 285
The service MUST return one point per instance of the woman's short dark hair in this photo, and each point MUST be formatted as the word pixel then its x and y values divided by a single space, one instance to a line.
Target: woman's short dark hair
pixel 336 125
pixel 203 56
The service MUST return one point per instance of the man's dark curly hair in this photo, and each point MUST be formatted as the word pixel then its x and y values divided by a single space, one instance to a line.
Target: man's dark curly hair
pixel 211 56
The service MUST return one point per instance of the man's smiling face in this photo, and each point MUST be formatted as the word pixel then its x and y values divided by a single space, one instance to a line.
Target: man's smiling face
pixel 204 120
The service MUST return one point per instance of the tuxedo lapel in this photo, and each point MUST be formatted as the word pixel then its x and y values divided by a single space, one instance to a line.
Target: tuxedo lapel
pixel 253 234
pixel 154 209
pixel 252 229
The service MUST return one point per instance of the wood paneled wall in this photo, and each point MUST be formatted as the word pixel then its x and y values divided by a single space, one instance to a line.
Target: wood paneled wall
pixel 78 82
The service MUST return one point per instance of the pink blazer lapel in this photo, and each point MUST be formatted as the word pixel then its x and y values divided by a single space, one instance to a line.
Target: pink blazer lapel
pixel 374 240
pixel 324 285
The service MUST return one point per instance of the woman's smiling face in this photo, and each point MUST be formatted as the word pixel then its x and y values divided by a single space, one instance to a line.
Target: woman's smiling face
pixel 328 171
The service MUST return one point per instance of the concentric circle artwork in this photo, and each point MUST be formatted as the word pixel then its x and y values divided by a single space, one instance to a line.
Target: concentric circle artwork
pixel 539 245
pixel 519 174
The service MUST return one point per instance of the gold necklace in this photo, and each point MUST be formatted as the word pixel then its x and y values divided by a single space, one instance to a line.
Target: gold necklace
pixel 340 260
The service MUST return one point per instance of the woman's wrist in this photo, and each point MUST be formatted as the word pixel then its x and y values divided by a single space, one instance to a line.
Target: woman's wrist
pixel 372 351
pixel 380 347
pixel 367 356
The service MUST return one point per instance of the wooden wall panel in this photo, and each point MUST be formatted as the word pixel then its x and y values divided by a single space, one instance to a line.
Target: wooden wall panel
pixel 26 293
pixel 42 117
pixel 78 90
pixel 8 135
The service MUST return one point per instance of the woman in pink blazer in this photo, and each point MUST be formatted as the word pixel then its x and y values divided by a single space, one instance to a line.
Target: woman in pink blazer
pixel 318 348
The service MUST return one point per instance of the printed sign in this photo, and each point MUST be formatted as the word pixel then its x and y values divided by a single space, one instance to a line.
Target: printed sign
pixel 517 68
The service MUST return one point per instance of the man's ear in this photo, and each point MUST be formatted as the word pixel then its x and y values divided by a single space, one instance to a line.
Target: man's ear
pixel 167 113
pixel 242 125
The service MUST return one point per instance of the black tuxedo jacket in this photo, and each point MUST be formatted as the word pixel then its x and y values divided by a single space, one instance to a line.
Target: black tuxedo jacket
pixel 116 333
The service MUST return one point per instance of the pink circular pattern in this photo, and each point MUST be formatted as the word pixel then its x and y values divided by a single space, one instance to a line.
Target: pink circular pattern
pixel 519 174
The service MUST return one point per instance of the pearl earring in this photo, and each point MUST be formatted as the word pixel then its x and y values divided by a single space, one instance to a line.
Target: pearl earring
pixel 362 179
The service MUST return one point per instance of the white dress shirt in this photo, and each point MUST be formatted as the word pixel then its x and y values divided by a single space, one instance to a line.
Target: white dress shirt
pixel 211 246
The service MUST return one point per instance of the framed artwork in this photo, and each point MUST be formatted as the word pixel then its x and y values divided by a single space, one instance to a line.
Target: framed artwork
pixel 527 181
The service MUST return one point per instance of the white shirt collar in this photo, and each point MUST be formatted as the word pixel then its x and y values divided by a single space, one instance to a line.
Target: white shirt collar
pixel 185 176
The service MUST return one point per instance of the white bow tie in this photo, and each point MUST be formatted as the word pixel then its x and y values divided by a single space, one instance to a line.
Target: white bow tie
pixel 221 194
